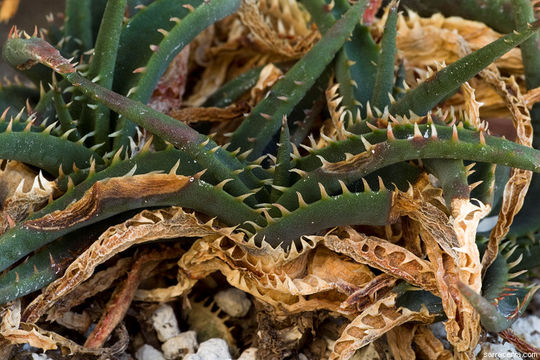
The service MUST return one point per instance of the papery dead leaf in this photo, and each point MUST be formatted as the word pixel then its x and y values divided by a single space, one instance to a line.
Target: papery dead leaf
pixel 275 37
pixel 144 227
pixel 171 86
pixel 122 296
pixel 20 203
pixel 429 346
pixel 400 341
pixel 290 281
pixel 337 113
pixel 373 323
pixel 99 282
pixel 210 114
pixel 17 332
pixel 519 181
pixel 381 254
pixel 269 75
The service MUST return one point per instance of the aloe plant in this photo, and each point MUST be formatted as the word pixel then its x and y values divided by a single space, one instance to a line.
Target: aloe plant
pixel 80 129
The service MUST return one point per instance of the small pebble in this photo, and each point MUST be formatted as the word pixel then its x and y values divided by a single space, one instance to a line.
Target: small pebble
pixel 249 354
pixel 164 322
pixel 499 351
pixel 182 344
pixel 40 357
pixel 528 328
pixel 147 352
pixel 233 301
pixel 213 349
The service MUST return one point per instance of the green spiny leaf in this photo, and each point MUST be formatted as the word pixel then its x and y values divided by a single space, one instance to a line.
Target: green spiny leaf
pixel 423 98
pixel 265 119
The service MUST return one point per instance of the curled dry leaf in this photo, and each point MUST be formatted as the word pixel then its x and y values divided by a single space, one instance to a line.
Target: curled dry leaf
pixel 434 223
pixel 381 254
pixel 337 112
pixel 171 86
pixel 144 227
pixel 400 341
pixel 23 201
pixel 375 289
pixel 373 323
pixel 519 181
pixel 429 345
pixel 122 296
pixel 276 38
pixel 269 75
pixel 282 280
pixel 210 114
pixel 348 275
pixel 9 328
pixel 451 249
pixel 99 282
pixel 17 332
pixel 531 97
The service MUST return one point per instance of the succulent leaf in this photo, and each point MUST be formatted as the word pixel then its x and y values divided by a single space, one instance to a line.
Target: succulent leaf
pixel 287 92
pixel 445 82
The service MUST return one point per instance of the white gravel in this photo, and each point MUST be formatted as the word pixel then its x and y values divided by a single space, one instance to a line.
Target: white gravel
pixel 233 301
pixel 165 323
pixel 183 344
pixel 249 354
pixel 213 349
pixel 147 352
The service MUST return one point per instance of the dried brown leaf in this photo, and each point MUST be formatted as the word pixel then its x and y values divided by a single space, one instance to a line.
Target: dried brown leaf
pixel 16 332
pixel 99 282
pixel 122 296
pixel 434 223
pixel 337 113
pixel 210 114
pixel 532 97
pixel 372 291
pixel 20 203
pixel 518 184
pixel 274 37
pixel 400 341
pixel 383 255
pixel 171 86
pixel 429 346
pixel 108 193
pixel 144 227
pixel 290 282
pixel 10 314
pixel 373 323
pixel 269 75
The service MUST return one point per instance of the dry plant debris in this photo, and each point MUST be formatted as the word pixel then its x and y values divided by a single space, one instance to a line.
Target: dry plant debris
pixel 267 180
